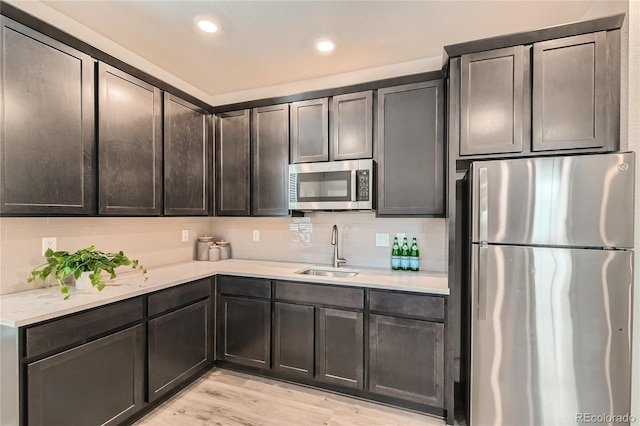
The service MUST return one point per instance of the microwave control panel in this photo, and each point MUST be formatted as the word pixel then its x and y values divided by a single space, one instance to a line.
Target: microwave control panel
pixel 362 185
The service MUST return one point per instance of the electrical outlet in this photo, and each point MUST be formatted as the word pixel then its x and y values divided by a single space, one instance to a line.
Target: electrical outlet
pixel 382 240
pixel 185 235
pixel 256 235
pixel 49 243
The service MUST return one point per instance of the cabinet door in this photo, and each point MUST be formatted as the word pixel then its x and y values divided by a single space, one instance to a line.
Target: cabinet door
pixel 352 126
pixel 339 347
pixel 232 164
pixel 179 345
pixel 129 143
pixel 270 148
pixel 186 152
pixel 410 149
pixel 406 359
pixel 244 331
pixel 492 106
pixel 293 339
pixel 47 117
pixel 100 382
pixel 310 131
pixel 570 93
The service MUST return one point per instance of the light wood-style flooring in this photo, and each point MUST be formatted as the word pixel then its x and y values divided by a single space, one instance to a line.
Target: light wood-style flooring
pixel 223 397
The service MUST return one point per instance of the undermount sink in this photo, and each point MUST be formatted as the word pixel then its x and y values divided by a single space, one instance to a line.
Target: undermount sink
pixel 328 272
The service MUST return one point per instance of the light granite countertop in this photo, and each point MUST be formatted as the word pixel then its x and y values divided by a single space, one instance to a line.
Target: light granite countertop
pixel 32 306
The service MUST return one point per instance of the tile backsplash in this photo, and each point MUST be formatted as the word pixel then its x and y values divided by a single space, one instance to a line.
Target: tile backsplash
pixel 157 240
pixel 152 240
pixel 357 238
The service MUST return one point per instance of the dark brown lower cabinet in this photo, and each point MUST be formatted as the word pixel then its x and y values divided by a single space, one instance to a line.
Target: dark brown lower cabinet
pixel 244 331
pixel 111 364
pixel 96 366
pixel 293 339
pixel 406 359
pixel 97 383
pixel 340 347
pixel 179 345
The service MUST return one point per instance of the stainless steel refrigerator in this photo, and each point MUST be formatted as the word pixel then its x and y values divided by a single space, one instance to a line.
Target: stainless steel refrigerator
pixel 550 289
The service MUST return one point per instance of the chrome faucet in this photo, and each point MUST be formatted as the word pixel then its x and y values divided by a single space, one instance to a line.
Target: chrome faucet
pixel 334 242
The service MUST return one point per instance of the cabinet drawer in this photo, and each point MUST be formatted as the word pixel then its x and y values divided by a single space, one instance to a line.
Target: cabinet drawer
pixel 179 296
pixel 76 328
pixel 255 287
pixel 415 305
pixel 347 297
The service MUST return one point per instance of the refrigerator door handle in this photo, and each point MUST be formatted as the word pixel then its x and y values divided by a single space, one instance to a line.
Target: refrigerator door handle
pixel 483 203
pixel 481 290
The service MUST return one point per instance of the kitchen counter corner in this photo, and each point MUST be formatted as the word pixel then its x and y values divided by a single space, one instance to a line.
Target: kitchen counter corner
pixel 33 306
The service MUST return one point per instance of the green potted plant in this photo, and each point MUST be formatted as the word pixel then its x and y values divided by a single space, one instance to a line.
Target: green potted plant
pixel 86 265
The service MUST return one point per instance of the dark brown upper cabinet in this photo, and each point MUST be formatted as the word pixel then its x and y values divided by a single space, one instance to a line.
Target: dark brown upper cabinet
pixel 270 160
pixel 493 101
pixel 47 117
pixel 556 95
pixel 570 92
pixel 351 126
pixel 129 144
pixel 410 150
pixel 310 131
pixel 187 142
pixel 343 132
pixel 233 165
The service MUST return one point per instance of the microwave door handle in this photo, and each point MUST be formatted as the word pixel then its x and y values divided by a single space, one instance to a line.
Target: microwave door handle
pixel 354 179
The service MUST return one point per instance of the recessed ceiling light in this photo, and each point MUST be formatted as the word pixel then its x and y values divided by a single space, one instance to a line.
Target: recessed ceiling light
pixel 207 26
pixel 325 46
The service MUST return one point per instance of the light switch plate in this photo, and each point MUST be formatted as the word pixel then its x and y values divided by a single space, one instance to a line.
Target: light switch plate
pixel 185 235
pixel 382 240
pixel 256 235
pixel 49 243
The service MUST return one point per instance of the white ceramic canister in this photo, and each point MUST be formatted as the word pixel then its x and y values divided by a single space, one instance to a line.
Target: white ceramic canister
pixel 225 249
pixel 214 253
pixel 202 252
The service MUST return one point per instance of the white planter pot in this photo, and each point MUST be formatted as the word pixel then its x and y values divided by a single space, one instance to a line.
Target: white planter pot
pixel 84 282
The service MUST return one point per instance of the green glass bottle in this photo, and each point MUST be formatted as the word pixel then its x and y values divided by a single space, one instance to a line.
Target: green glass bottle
pixel 395 255
pixel 414 259
pixel 405 255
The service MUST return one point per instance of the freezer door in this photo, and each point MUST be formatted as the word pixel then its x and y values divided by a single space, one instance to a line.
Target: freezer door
pixel 582 201
pixel 550 335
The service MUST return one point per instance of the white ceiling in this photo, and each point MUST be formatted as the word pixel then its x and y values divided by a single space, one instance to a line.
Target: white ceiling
pixel 267 43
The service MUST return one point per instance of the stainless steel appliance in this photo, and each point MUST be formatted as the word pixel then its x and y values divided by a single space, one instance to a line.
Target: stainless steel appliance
pixel 335 185
pixel 551 289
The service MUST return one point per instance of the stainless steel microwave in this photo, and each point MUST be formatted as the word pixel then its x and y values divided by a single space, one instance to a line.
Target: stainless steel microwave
pixel 336 185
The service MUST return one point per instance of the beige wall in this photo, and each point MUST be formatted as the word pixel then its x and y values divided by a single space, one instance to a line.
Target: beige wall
pixel 357 239
pixel 157 240
pixel 630 140
pixel 153 241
